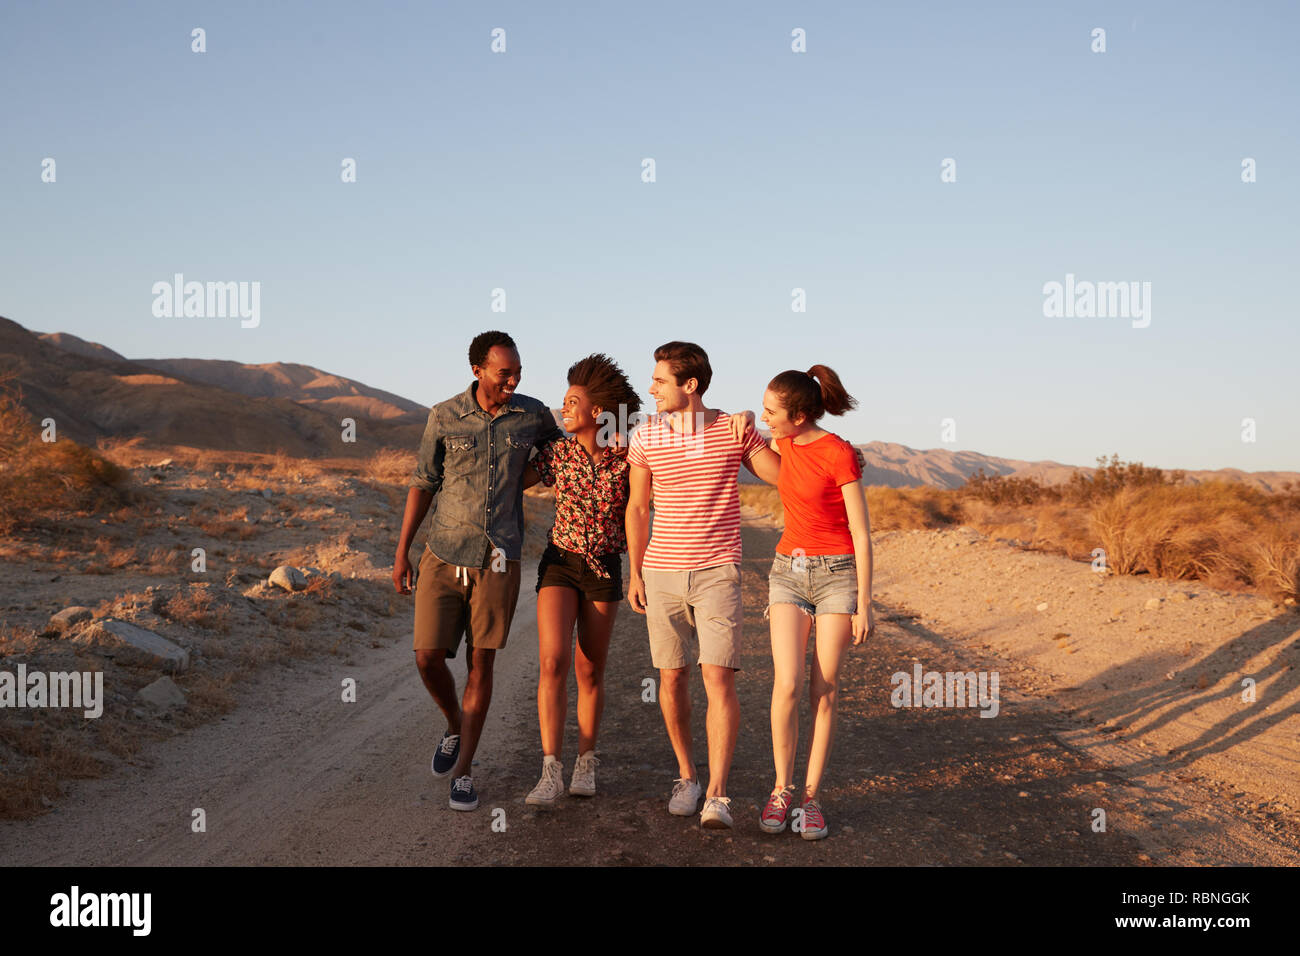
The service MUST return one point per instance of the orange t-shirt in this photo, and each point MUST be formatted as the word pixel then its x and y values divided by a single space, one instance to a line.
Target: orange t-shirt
pixel 811 475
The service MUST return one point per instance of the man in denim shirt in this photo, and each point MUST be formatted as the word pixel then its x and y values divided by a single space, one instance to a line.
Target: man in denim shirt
pixel 471 461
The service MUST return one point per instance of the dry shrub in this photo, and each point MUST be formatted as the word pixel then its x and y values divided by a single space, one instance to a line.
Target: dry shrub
pixel 39 479
pixel 195 607
pixel 1225 533
pixel 389 465
pixel 892 509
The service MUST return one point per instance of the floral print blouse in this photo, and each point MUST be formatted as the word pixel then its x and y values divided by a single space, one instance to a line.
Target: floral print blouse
pixel 590 498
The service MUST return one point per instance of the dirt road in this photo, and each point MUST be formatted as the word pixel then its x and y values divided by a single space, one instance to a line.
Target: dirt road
pixel 296 776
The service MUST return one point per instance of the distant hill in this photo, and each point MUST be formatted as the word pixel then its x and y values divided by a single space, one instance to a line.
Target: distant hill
pixel 92 392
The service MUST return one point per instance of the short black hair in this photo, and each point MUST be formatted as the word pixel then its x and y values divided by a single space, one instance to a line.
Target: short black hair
pixel 483 343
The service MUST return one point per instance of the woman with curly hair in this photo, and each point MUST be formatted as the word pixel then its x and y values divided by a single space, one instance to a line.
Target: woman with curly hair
pixel 580 576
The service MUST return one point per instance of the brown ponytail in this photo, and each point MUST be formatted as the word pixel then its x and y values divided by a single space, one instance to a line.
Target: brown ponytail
pixel 812 393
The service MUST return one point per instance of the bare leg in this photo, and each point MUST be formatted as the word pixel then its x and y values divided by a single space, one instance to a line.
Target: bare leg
pixel 675 702
pixel 557 608
pixel 595 624
pixel 723 724
pixel 790 627
pixel 437 678
pixel 474 706
pixel 834 634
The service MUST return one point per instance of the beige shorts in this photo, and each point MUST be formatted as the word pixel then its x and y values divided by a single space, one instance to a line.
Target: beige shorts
pixel 705 602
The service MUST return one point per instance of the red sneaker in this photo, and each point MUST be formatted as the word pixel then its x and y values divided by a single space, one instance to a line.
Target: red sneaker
pixel 812 822
pixel 778 808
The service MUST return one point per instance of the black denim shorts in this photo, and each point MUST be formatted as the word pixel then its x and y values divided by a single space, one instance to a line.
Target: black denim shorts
pixel 562 568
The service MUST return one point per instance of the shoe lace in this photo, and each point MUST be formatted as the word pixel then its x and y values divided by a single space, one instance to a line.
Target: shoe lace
pixel 681 785
pixel 588 764
pixel 724 801
pixel 553 772
pixel 448 745
pixel 778 802
pixel 812 815
pixel 463 784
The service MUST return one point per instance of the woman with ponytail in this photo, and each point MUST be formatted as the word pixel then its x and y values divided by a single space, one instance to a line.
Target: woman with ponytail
pixel 821 571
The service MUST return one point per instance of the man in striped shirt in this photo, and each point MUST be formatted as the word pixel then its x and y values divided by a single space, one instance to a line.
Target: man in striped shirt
pixel 686 576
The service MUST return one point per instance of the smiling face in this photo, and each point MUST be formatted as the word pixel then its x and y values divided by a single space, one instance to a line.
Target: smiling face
pixel 775 417
pixel 668 395
pixel 578 411
pixel 499 376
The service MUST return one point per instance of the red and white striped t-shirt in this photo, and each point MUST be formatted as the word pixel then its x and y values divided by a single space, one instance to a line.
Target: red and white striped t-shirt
pixel 696 501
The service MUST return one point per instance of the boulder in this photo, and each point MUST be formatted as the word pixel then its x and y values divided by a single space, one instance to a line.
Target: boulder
pixel 70 616
pixel 163 694
pixel 288 577
pixel 128 639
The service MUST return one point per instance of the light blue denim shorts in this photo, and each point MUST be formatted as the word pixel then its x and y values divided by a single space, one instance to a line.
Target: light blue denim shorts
pixel 818 583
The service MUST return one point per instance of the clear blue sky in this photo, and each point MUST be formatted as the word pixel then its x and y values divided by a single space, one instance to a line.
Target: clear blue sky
pixel 775 170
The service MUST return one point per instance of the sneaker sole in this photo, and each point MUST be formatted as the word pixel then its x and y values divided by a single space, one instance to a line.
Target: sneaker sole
pixel 685 813
pixel 772 827
pixel 463 806
pixel 440 775
pixel 532 801
pixel 715 823
pixel 816 834
pixel 582 792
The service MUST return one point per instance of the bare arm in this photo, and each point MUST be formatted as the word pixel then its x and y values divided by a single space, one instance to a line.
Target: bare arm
pixel 855 504
pixel 417 506
pixel 765 465
pixel 637 524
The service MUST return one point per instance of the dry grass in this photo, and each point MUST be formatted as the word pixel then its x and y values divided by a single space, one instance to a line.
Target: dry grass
pixel 390 466
pixel 40 480
pixel 195 607
pixel 1226 534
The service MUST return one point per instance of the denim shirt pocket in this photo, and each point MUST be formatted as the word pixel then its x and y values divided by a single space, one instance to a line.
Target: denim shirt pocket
pixel 461 456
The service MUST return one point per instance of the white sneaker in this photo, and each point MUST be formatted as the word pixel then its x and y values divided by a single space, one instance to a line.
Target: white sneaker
pixel 550 788
pixel 716 814
pixel 685 798
pixel 583 783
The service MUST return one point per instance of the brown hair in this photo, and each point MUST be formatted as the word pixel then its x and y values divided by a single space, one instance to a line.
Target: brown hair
pixel 812 393
pixel 606 385
pixel 686 360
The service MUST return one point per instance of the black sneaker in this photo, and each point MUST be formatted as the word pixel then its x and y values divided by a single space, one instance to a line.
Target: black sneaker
pixel 463 794
pixel 444 757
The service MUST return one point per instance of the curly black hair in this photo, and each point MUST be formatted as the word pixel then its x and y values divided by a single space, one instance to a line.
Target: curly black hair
pixel 483 343
pixel 606 384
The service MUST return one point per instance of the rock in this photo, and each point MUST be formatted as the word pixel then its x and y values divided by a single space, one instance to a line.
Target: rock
pixel 287 577
pixel 1153 603
pixel 155 648
pixel 1042 607
pixel 165 463
pixel 69 616
pixel 266 493
pixel 163 694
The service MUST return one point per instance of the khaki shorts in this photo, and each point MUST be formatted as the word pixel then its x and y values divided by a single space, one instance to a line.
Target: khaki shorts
pixel 476 602
pixel 705 602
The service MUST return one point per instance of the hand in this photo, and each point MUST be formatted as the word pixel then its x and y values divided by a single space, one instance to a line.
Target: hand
pixel 864 625
pixel 636 593
pixel 403 573
pixel 616 445
pixel 741 422
pixel 862 459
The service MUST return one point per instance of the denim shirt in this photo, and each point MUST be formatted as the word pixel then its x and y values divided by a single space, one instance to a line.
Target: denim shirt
pixel 473 465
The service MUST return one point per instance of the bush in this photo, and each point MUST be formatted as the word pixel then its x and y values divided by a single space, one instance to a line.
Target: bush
pixel 39 478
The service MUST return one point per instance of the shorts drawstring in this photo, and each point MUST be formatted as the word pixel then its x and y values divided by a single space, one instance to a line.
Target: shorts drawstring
pixel 462 575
